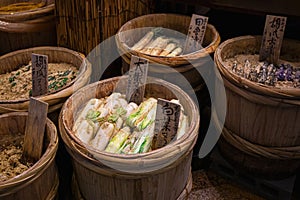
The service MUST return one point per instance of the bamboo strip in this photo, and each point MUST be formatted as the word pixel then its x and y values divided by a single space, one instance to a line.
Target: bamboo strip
pixel 281 153
pixel 91 22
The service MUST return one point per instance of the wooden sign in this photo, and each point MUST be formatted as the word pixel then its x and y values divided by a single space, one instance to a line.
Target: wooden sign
pixel 39 74
pixel 137 79
pixel 196 34
pixel 35 130
pixel 166 123
pixel 272 39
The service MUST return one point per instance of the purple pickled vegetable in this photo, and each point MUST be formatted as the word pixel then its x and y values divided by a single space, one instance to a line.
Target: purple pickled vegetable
pixel 280 73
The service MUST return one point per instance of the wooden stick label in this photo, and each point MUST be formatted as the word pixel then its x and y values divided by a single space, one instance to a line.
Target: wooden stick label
pixel 39 74
pixel 35 129
pixel 272 38
pixel 137 79
pixel 166 123
pixel 196 33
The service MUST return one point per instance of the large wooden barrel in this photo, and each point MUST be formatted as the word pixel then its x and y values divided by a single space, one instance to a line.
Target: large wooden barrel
pixel 27 28
pixel 181 70
pixel 39 181
pixel 159 174
pixel 14 60
pixel 261 134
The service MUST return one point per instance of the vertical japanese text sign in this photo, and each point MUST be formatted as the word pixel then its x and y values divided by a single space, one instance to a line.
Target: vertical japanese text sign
pixel 39 74
pixel 137 79
pixel 272 38
pixel 196 33
pixel 166 123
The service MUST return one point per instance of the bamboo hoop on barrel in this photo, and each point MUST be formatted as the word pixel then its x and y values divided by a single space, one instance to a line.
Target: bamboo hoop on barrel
pixel 281 153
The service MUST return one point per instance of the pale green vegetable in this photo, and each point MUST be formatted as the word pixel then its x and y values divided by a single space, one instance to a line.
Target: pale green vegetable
pixel 118 140
pixel 141 112
pixel 143 143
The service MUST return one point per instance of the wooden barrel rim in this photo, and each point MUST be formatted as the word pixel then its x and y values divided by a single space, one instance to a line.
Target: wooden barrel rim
pixel 245 83
pixel 39 167
pixel 260 98
pixel 22 16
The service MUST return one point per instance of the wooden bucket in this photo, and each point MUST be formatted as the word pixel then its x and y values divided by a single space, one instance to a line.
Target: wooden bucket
pixel 25 29
pixel 93 170
pixel 41 180
pixel 262 122
pixel 17 59
pixel 167 68
pixel 94 21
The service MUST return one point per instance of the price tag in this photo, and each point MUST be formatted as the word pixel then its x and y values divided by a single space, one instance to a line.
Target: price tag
pixel 34 130
pixel 39 74
pixel 196 34
pixel 137 79
pixel 166 123
pixel 272 38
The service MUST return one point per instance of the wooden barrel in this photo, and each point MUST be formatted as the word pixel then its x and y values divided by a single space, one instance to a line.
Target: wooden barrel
pixel 41 180
pixel 182 70
pixel 262 125
pixel 28 28
pixel 17 59
pixel 163 173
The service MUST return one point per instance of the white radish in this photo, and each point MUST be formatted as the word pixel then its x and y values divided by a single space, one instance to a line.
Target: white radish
pixel 159 47
pixel 92 104
pixel 169 48
pixel 175 52
pixel 103 136
pixel 153 44
pixel 143 41
pixel 85 131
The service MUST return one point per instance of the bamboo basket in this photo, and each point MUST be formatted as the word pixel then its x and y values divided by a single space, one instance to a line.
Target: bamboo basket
pixel 184 195
pixel 30 184
pixel 25 29
pixel 93 172
pixel 94 21
pixel 182 70
pixel 16 59
pixel 261 121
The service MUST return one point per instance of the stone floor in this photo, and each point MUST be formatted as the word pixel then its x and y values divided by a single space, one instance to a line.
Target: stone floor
pixel 207 185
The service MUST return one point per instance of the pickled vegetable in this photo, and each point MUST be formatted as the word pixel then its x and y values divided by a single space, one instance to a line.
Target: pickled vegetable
pixel 113 125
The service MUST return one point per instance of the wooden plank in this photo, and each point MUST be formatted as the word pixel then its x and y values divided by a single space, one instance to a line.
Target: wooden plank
pixel 137 79
pixel 39 74
pixel 195 34
pixel 166 123
pixel 34 130
pixel 272 39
